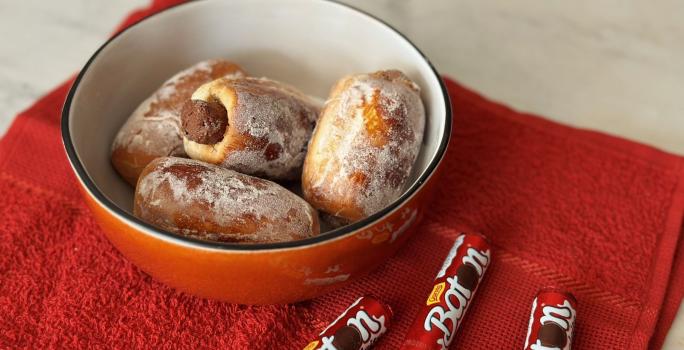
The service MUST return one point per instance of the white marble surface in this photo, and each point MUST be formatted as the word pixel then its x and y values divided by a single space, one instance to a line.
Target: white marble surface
pixel 615 66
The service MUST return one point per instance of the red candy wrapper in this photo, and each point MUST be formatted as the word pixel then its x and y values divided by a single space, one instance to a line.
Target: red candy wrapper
pixel 358 328
pixel 452 293
pixel 552 321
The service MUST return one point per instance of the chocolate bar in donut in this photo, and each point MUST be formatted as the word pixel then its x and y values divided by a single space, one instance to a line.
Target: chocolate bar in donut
pixel 153 130
pixel 255 126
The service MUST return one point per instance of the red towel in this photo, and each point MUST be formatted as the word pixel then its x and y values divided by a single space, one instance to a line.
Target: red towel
pixel 597 215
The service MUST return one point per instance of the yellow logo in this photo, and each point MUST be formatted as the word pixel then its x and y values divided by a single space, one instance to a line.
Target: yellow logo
pixel 436 294
pixel 312 345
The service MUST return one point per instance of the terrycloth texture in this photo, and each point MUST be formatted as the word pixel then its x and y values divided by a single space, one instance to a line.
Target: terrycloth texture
pixel 585 211
pixel 673 298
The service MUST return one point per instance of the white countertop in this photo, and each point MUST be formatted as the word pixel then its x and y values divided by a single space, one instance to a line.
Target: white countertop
pixel 613 66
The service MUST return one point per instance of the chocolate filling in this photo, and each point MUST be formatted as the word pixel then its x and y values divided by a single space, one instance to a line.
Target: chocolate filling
pixel 204 122
pixel 467 276
pixel 347 338
pixel 552 335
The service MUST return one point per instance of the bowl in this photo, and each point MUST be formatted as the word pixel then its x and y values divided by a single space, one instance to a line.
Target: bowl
pixel 307 43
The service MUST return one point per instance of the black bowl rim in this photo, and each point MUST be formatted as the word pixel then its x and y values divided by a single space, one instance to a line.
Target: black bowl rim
pixel 243 247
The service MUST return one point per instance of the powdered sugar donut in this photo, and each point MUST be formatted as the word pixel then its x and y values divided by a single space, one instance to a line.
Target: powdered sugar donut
pixel 255 126
pixel 208 202
pixel 153 130
pixel 365 144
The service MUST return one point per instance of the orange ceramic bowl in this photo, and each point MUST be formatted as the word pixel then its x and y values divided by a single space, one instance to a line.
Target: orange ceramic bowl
pixel 309 44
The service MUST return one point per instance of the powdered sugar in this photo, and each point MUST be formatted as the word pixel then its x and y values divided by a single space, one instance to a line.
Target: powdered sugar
pixel 276 122
pixel 169 88
pixel 362 164
pixel 159 134
pixel 154 127
pixel 222 198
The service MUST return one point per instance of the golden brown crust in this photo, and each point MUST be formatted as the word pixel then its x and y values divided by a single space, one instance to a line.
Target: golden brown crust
pixel 153 130
pixel 269 126
pixel 212 203
pixel 365 144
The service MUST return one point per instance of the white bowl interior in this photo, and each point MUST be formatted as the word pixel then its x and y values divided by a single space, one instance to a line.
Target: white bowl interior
pixel 308 44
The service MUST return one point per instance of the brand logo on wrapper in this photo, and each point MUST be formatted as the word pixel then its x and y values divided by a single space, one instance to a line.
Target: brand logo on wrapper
pixel 436 294
pixel 556 330
pixel 458 294
pixel 312 345
pixel 369 328
pixel 552 321
pixel 453 289
pixel 357 328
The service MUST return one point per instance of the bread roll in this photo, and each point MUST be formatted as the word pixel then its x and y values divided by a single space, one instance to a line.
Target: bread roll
pixel 365 144
pixel 255 126
pixel 153 130
pixel 208 202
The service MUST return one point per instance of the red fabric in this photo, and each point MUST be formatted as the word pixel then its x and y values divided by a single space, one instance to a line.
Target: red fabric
pixel 673 297
pixel 585 211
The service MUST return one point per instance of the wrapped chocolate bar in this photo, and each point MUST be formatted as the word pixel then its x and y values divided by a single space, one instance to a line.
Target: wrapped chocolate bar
pixel 552 321
pixel 358 328
pixel 451 295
